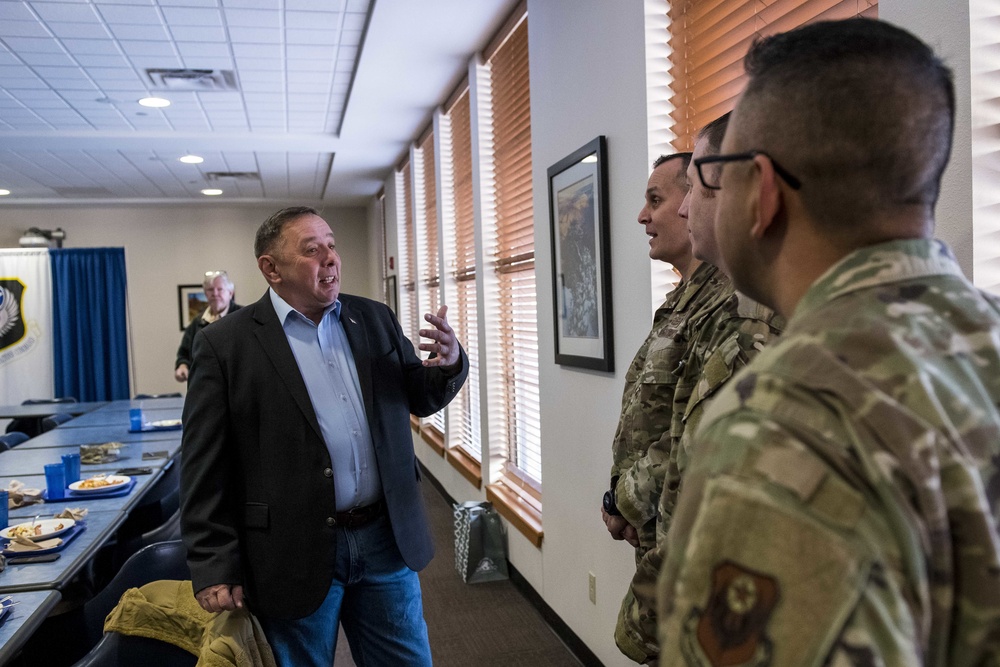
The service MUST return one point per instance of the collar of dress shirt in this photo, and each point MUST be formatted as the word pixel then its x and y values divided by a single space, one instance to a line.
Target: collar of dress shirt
pixel 283 310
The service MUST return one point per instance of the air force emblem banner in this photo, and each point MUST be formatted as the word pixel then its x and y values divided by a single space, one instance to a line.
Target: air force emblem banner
pixel 26 366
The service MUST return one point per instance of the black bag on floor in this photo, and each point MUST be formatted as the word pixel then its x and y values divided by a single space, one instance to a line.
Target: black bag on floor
pixel 480 547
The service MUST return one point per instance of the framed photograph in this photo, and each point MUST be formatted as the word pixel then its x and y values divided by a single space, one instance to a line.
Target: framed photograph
pixel 191 302
pixel 391 296
pixel 581 258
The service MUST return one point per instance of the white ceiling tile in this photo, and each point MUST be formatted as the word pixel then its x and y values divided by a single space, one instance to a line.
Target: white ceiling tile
pixel 33 59
pixel 26 84
pixel 190 50
pixel 26 45
pixel 134 14
pixel 252 4
pixel 79 30
pixel 355 21
pixel 148 48
pixel 247 35
pixel 192 16
pixel 40 99
pixel 101 74
pixel 68 86
pixel 312 20
pixel 189 33
pixel 210 62
pixel 15 11
pixel 249 66
pixel 313 52
pixel 253 18
pixel 313 67
pixel 270 51
pixel 350 38
pixel 90 46
pixel 321 37
pixel 22 29
pixel 151 33
pixel 156 62
pixel 188 3
pixel 263 87
pixel 87 60
pixel 70 12
pixel 360 6
pixel 313 5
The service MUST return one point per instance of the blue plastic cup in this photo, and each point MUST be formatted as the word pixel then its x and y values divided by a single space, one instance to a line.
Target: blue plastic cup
pixel 135 419
pixel 4 517
pixel 71 468
pixel 55 481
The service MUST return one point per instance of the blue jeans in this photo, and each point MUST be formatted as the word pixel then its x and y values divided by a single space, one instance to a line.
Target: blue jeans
pixel 376 598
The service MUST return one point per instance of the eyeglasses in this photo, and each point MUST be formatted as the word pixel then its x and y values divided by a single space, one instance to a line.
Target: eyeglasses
pixel 710 178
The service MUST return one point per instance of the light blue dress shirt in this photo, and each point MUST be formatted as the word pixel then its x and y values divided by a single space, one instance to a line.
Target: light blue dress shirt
pixel 326 364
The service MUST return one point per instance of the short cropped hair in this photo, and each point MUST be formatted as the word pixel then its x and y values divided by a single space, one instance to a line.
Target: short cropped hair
pixel 715 132
pixel 269 232
pixel 685 158
pixel 862 112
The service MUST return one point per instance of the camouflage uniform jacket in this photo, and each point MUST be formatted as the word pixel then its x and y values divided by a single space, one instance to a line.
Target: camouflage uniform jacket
pixel 723 340
pixel 648 403
pixel 841 506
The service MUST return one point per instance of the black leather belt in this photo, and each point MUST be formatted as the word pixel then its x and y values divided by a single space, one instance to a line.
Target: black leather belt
pixel 359 516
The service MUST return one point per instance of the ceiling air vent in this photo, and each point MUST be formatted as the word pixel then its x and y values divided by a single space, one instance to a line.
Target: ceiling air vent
pixel 199 80
pixel 232 175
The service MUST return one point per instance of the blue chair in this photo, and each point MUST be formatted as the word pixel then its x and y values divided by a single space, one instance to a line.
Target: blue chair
pixel 116 649
pixel 52 421
pixel 141 397
pixel 12 440
pixel 164 560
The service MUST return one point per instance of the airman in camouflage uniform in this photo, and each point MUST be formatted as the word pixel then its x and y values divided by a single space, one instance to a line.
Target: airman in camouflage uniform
pixel 729 332
pixel 841 504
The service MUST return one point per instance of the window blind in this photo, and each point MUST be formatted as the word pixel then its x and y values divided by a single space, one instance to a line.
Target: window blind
pixel 463 314
pixel 709 39
pixel 430 291
pixel 514 259
pixel 407 268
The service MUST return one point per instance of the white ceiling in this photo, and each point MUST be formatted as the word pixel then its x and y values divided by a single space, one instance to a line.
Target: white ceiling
pixel 330 94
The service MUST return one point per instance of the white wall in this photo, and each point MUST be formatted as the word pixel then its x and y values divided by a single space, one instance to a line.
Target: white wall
pixel 167 246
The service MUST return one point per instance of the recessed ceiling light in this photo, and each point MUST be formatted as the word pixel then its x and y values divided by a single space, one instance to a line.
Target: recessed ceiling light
pixel 191 159
pixel 590 159
pixel 155 102
pixel 211 192
pixel 4 193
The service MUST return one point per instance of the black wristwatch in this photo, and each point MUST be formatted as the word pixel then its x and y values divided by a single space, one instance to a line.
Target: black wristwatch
pixel 610 502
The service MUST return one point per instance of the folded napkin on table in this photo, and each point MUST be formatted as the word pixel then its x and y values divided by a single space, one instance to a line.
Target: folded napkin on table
pixel 75 513
pixel 99 453
pixel 24 544
pixel 18 495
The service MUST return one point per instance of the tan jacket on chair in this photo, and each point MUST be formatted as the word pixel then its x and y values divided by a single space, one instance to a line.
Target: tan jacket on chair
pixel 167 611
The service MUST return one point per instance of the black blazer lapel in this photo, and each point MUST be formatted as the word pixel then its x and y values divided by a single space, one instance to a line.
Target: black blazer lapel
pixel 356 329
pixel 272 339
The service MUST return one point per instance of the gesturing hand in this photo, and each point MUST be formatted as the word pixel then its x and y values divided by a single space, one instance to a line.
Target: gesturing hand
pixel 444 343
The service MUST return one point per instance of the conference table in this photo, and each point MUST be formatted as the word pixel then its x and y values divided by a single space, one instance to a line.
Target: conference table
pixel 37 586
pixel 46 409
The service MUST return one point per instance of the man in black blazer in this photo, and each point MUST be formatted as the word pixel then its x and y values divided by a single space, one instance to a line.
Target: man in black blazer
pixel 299 485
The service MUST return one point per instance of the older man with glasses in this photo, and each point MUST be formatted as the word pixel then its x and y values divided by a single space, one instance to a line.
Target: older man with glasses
pixel 219 293
pixel 841 505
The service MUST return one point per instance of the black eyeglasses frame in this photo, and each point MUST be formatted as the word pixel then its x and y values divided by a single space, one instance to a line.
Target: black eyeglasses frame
pixel 792 181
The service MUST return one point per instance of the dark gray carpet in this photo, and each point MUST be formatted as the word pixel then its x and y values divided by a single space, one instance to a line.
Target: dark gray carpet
pixel 479 625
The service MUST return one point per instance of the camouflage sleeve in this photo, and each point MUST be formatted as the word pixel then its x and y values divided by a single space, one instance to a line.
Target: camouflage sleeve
pixel 768 540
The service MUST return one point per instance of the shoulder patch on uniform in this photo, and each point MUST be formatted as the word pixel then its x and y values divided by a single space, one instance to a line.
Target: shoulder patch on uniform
pixel 730 629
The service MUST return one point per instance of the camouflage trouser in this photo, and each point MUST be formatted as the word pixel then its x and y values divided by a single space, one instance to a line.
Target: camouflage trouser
pixel 635 632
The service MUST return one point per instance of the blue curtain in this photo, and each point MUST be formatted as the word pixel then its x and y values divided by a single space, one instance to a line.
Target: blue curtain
pixel 88 312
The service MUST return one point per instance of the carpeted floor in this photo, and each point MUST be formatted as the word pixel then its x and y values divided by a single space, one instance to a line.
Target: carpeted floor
pixel 480 625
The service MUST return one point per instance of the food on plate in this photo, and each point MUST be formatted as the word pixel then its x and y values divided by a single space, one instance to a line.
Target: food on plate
pixel 30 530
pixel 98 482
